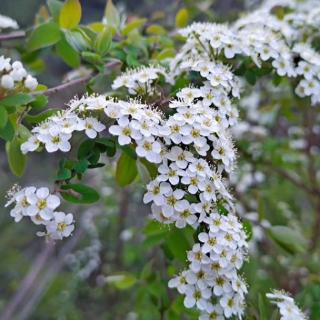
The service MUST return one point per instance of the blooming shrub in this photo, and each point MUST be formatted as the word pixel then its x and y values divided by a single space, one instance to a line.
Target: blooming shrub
pixel 176 117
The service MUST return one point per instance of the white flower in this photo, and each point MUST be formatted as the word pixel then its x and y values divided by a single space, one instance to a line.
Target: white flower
pixel 4 64
pixel 157 192
pixel 61 226
pixel 124 131
pixel 7 82
pixel 229 305
pixel 7 22
pixel 213 312
pixel 210 242
pixel 287 307
pixel 181 157
pixel 186 214
pixel 53 143
pixel 17 73
pixel 189 94
pixel 91 126
pixel 192 180
pixel 171 173
pixel 197 296
pixel 22 202
pixel 43 204
pixel 179 282
pixel 150 149
pixel 197 258
pixel 221 286
pixel 30 145
pixel 30 83
pixel 172 202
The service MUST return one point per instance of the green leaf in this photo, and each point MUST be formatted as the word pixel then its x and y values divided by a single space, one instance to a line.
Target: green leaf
pixel 85 149
pixel 39 102
pixel 67 52
pixel 55 8
pixel 177 244
pixel 3 117
pixel 262 307
pixel 81 166
pixel 143 172
pixel 166 53
pixel 103 42
pixel 91 57
pixel 112 15
pixel 121 281
pixel 37 118
pixel 7 133
pixel 129 150
pixel 182 18
pixel 44 35
pixel 289 239
pixel 63 174
pixel 151 167
pixel 70 14
pixel 156 29
pixel 251 76
pixel 79 193
pixel 17 100
pixel 126 170
pixel 17 161
pixel 247 227
pixel 77 40
pixel 110 145
pixel 133 25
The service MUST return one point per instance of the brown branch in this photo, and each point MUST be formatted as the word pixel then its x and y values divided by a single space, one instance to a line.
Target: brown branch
pixel 125 196
pixel 12 36
pixel 43 284
pixel 27 282
pixel 297 182
pixel 80 81
pixel 282 173
pixel 311 138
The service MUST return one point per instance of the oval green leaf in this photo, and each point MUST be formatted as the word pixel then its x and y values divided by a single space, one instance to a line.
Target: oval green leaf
pixel 70 14
pixel 43 36
pixel 79 193
pixel 17 161
pixel 126 170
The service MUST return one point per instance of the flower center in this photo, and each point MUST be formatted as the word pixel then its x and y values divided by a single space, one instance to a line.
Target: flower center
pixel 42 203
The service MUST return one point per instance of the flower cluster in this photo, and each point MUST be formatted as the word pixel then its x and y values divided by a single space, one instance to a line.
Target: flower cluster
pixel 193 148
pixel 39 205
pixel 213 269
pixel 309 69
pixel 287 307
pixel 7 23
pixel 14 76
pixel 139 80
pixel 54 133
pixel 262 37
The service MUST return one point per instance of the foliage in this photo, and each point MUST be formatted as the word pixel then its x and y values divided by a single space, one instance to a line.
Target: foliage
pixel 160 109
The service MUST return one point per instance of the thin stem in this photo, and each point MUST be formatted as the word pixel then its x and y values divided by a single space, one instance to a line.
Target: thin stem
pixel 12 36
pixel 28 282
pixel 80 81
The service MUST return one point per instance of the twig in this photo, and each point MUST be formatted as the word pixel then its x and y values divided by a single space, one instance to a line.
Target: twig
pixel 42 286
pixel 294 180
pixel 12 36
pixel 311 138
pixel 27 282
pixel 123 213
pixel 76 82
